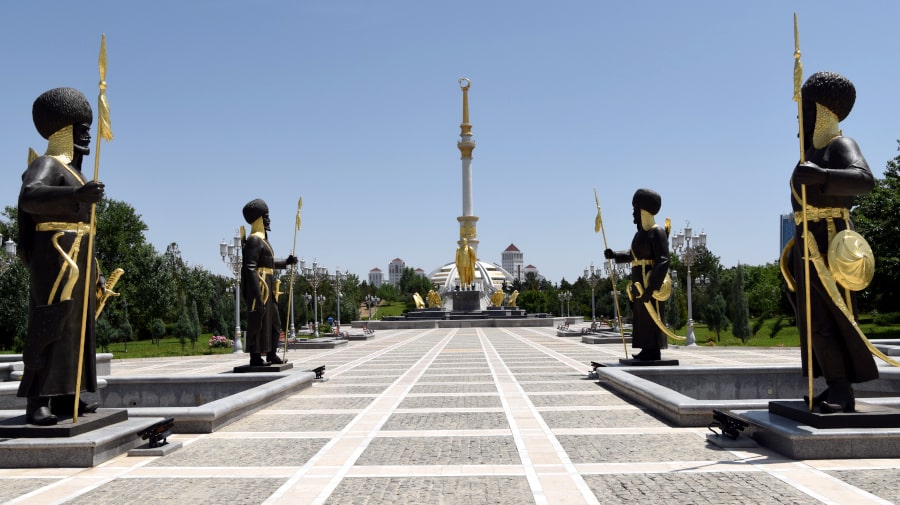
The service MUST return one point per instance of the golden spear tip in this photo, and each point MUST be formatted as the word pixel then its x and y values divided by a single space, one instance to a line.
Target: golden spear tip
pixel 101 62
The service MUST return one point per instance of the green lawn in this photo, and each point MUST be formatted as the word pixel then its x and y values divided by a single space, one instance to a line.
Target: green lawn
pixel 166 347
pixel 787 336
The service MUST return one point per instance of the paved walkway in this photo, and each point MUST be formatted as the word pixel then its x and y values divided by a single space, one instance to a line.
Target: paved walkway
pixel 457 416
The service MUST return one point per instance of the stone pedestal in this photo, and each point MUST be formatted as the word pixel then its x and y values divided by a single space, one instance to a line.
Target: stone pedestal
pixel 651 362
pixel 263 368
pixel 466 301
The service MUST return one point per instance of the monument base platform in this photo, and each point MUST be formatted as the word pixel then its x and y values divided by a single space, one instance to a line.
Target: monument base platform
pixel 263 368
pixel 652 362
pixel 798 440
pixel 17 427
pixel 317 343
pixel 80 450
pixel 867 415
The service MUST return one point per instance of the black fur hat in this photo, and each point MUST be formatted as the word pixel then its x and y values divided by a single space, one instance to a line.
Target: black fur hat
pixel 832 90
pixel 254 210
pixel 647 199
pixel 59 108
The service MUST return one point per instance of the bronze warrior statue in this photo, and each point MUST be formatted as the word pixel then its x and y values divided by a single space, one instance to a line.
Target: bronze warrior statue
pixel 649 257
pixel 258 286
pixel 834 174
pixel 54 227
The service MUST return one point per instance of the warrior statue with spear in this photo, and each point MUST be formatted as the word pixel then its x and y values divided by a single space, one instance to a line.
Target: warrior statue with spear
pixel 56 235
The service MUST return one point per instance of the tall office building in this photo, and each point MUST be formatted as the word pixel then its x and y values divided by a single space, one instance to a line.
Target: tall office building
pixel 395 271
pixel 511 259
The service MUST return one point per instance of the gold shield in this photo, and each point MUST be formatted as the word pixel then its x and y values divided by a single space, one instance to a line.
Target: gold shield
pixel 851 260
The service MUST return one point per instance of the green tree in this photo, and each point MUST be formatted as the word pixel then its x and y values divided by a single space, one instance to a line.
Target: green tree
pixel 740 314
pixel 534 302
pixel 126 333
pixel 120 243
pixel 13 306
pixel 714 314
pixel 184 329
pixel 157 330
pixel 195 323
pixel 763 289
pixel 875 217
pixel 105 333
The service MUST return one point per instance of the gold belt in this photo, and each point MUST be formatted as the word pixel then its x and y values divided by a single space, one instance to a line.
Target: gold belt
pixel 59 226
pixel 641 263
pixel 816 214
pixel 265 271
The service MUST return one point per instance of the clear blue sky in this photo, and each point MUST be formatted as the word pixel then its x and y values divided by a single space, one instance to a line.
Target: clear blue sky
pixel 355 106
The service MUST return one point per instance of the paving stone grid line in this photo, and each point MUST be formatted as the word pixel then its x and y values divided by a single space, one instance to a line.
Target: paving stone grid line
pixel 465 416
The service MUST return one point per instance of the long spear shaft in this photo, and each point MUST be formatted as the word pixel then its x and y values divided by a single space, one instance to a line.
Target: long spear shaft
pixel 103 133
pixel 290 311
pixel 798 97
pixel 598 226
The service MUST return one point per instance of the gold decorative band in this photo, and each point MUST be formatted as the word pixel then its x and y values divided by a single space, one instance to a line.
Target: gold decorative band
pixel 265 271
pixel 641 263
pixel 816 214
pixel 59 226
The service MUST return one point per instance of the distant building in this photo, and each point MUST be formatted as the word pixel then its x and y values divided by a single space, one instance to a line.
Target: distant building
pixel 533 269
pixel 395 271
pixel 376 277
pixel 420 272
pixel 511 259
pixel 787 231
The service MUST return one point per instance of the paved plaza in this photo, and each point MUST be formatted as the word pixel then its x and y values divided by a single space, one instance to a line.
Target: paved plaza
pixel 457 416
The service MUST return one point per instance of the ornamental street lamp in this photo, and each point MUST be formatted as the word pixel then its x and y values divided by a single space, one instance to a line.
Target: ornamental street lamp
pixel 9 254
pixel 370 301
pixel 615 272
pixel 593 278
pixel 688 246
pixel 308 298
pixel 322 312
pixel 336 279
pixel 565 296
pixel 231 256
pixel 314 274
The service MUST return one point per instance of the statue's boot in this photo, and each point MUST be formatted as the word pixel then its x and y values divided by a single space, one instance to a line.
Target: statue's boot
pixel 273 359
pixel 818 399
pixel 840 398
pixel 648 355
pixel 37 411
pixel 256 359
pixel 64 404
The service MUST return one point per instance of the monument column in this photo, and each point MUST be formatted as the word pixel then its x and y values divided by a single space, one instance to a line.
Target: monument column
pixel 467 221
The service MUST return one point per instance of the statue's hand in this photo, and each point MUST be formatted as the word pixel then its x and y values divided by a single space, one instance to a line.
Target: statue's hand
pixel 809 173
pixel 609 254
pixel 291 260
pixel 91 192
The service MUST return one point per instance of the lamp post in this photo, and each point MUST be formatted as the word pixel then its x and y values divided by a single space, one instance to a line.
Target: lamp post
pixel 565 296
pixel 9 254
pixel 336 279
pixel 616 272
pixel 314 274
pixel 688 246
pixel 371 300
pixel 231 256
pixel 593 278
pixel 308 298
pixel 322 312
